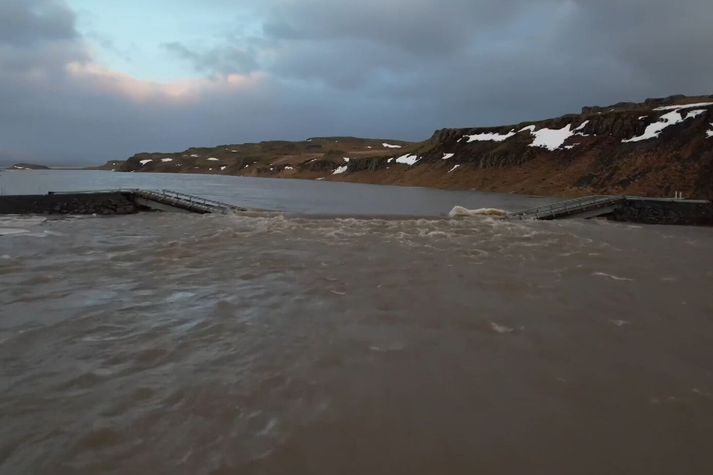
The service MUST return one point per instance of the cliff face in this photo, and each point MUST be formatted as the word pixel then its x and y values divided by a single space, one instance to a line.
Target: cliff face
pixel 651 149
pixel 645 149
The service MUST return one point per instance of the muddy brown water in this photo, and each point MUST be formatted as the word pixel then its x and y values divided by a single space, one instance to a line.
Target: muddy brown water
pixel 272 344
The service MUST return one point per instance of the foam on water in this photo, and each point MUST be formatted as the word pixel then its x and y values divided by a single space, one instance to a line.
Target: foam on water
pixel 13 225
pixel 459 211
pixel 11 231
pixel 612 277
pixel 502 329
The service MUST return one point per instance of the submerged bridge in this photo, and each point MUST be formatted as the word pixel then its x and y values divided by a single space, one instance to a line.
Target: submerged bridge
pixel 128 201
pixel 633 209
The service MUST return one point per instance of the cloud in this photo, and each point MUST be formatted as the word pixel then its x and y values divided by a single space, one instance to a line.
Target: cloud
pixel 37 37
pixel 423 27
pixel 665 44
pixel 386 68
pixel 61 106
pixel 29 22
pixel 217 61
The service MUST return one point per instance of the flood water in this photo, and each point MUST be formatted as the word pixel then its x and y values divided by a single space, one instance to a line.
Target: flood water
pixel 290 196
pixel 285 344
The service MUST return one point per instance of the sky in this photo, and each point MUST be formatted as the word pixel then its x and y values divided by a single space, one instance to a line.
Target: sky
pixel 86 81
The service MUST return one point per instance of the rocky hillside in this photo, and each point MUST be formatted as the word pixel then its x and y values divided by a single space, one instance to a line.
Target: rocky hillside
pixel 318 157
pixel 653 148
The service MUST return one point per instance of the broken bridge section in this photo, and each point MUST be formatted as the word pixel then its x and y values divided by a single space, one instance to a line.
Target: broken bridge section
pixel 111 202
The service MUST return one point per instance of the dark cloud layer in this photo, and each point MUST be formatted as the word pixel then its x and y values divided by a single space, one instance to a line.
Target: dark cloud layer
pixel 28 22
pixel 388 68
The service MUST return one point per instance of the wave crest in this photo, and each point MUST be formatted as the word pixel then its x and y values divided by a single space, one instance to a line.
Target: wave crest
pixel 460 212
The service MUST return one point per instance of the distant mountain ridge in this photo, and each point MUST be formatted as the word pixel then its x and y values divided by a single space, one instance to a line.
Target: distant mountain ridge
pixel 654 148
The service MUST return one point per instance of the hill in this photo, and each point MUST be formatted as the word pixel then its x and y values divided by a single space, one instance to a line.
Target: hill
pixel 654 148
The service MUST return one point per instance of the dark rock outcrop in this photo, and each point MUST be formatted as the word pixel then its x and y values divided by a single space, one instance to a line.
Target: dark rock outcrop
pixel 106 203
pixel 28 166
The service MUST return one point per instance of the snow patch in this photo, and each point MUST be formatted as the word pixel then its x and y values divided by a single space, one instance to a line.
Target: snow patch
pixel 578 130
pixel 551 139
pixel 166 160
pixel 446 156
pixel 388 145
pixel 195 155
pixel 340 170
pixel 684 106
pixel 643 117
pixel 488 137
pixel 695 113
pixel 455 167
pixel 213 159
pixel 654 130
pixel 223 168
pixel 144 162
pixel 582 126
pixel 709 133
pixel 289 168
pixel 346 159
pixel 407 159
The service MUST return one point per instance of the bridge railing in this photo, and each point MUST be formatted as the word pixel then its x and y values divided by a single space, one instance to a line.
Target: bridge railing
pixel 166 197
pixel 575 205
pixel 175 197
pixel 197 198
